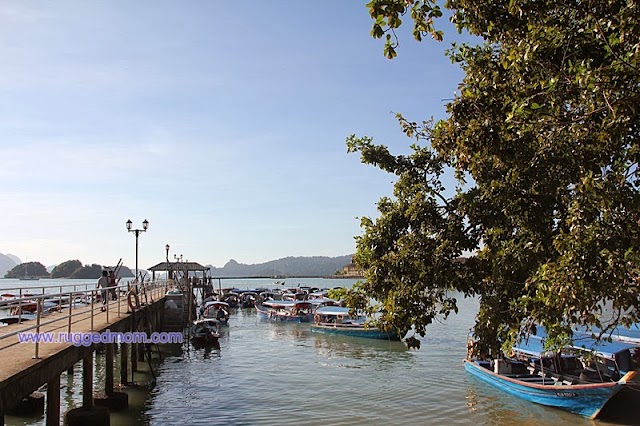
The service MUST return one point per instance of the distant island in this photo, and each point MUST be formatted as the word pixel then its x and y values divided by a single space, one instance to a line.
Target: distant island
pixel 310 266
pixel 72 269
pixel 313 266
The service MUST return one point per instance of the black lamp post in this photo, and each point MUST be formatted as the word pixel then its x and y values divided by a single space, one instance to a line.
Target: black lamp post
pixel 169 276
pixel 136 232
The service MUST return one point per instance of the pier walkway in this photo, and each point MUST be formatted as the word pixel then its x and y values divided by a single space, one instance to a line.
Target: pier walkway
pixel 27 365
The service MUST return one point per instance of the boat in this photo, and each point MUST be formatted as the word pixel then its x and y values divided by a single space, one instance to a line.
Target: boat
pixel 585 358
pixel 337 320
pixel 217 310
pixel 585 399
pixel 286 310
pixel 205 332
pixel 248 299
pixel 556 379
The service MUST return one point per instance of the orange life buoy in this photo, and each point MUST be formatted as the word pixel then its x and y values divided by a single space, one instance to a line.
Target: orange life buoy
pixel 133 301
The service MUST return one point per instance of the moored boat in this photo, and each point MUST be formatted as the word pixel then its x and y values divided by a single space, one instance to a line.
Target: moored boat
pixel 580 378
pixel 205 332
pixel 216 310
pixel 337 320
pixel 586 399
pixel 286 310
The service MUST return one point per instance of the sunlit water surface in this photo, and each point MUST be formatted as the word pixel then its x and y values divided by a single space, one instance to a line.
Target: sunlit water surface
pixel 268 373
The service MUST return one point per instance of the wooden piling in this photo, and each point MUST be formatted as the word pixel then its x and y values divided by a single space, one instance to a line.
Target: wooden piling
pixel 87 381
pixel 108 381
pixel 53 401
pixel 124 360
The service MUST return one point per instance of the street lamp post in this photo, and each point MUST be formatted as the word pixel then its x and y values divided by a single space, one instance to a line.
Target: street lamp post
pixel 136 232
pixel 178 260
pixel 169 275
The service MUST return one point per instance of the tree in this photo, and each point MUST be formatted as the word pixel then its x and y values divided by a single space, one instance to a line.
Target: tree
pixel 32 269
pixel 543 140
pixel 87 272
pixel 66 269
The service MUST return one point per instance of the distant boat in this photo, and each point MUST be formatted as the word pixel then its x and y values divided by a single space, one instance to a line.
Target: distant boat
pixel 336 320
pixel 286 310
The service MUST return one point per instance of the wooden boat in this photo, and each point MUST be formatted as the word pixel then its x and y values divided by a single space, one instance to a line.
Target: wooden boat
pixel 216 310
pixel 205 332
pixel 286 310
pixel 585 359
pixel 584 399
pixel 336 319
pixel 558 379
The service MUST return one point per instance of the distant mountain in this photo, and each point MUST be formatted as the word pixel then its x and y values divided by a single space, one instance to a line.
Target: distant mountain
pixel 316 266
pixel 14 258
pixel 6 263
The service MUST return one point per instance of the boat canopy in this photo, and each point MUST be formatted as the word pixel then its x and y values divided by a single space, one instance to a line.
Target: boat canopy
pixel 534 345
pixel 286 303
pixel 631 334
pixel 333 310
pixel 216 303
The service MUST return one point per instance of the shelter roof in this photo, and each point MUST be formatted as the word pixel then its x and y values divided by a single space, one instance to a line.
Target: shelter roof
pixel 178 266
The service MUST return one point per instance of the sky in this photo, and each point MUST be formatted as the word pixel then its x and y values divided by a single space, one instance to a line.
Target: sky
pixel 221 123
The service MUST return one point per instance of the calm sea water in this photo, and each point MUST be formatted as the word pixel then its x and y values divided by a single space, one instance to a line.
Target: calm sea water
pixel 268 373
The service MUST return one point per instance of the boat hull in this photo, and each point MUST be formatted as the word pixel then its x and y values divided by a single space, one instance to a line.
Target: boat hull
pixel 586 400
pixel 274 315
pixel 369 333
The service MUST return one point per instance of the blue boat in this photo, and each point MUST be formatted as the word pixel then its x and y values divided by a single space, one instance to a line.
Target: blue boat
pixel 336 320
pixel 595 360
pixel 285 310
pixel 584 399
pixel 561 379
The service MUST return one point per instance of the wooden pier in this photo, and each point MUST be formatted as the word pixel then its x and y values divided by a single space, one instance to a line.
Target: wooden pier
pixel 28 366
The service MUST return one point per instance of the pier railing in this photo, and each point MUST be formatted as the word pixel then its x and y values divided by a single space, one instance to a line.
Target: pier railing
pixel 66 308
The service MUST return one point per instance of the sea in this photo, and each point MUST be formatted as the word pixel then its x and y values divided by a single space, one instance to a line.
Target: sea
pixel 268 373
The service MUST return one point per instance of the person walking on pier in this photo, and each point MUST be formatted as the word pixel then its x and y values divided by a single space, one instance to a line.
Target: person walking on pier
pixel 103 283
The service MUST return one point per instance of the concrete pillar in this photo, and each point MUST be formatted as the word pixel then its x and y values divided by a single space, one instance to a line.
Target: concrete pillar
pixel 53 402
pixel 87 381
pixel 124 360
pixel 108 381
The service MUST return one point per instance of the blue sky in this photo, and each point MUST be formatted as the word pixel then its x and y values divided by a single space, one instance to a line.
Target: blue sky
pixel 222 123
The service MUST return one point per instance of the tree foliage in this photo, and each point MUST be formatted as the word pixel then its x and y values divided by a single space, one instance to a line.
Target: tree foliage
pixel 66 269
pixel 32 269
pixel 543 139
pixel 87 271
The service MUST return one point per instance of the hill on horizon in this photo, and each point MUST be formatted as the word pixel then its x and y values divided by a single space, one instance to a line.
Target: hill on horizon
pixel 7 263
pixel 314 266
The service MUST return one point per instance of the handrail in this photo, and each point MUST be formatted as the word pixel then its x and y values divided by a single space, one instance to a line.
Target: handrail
pixel 74 316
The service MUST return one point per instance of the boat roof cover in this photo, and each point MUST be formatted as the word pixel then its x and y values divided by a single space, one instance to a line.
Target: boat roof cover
pixel 214 303
pixel 534 345
pixel 619 332
pixel 285 303
pixel 333 310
